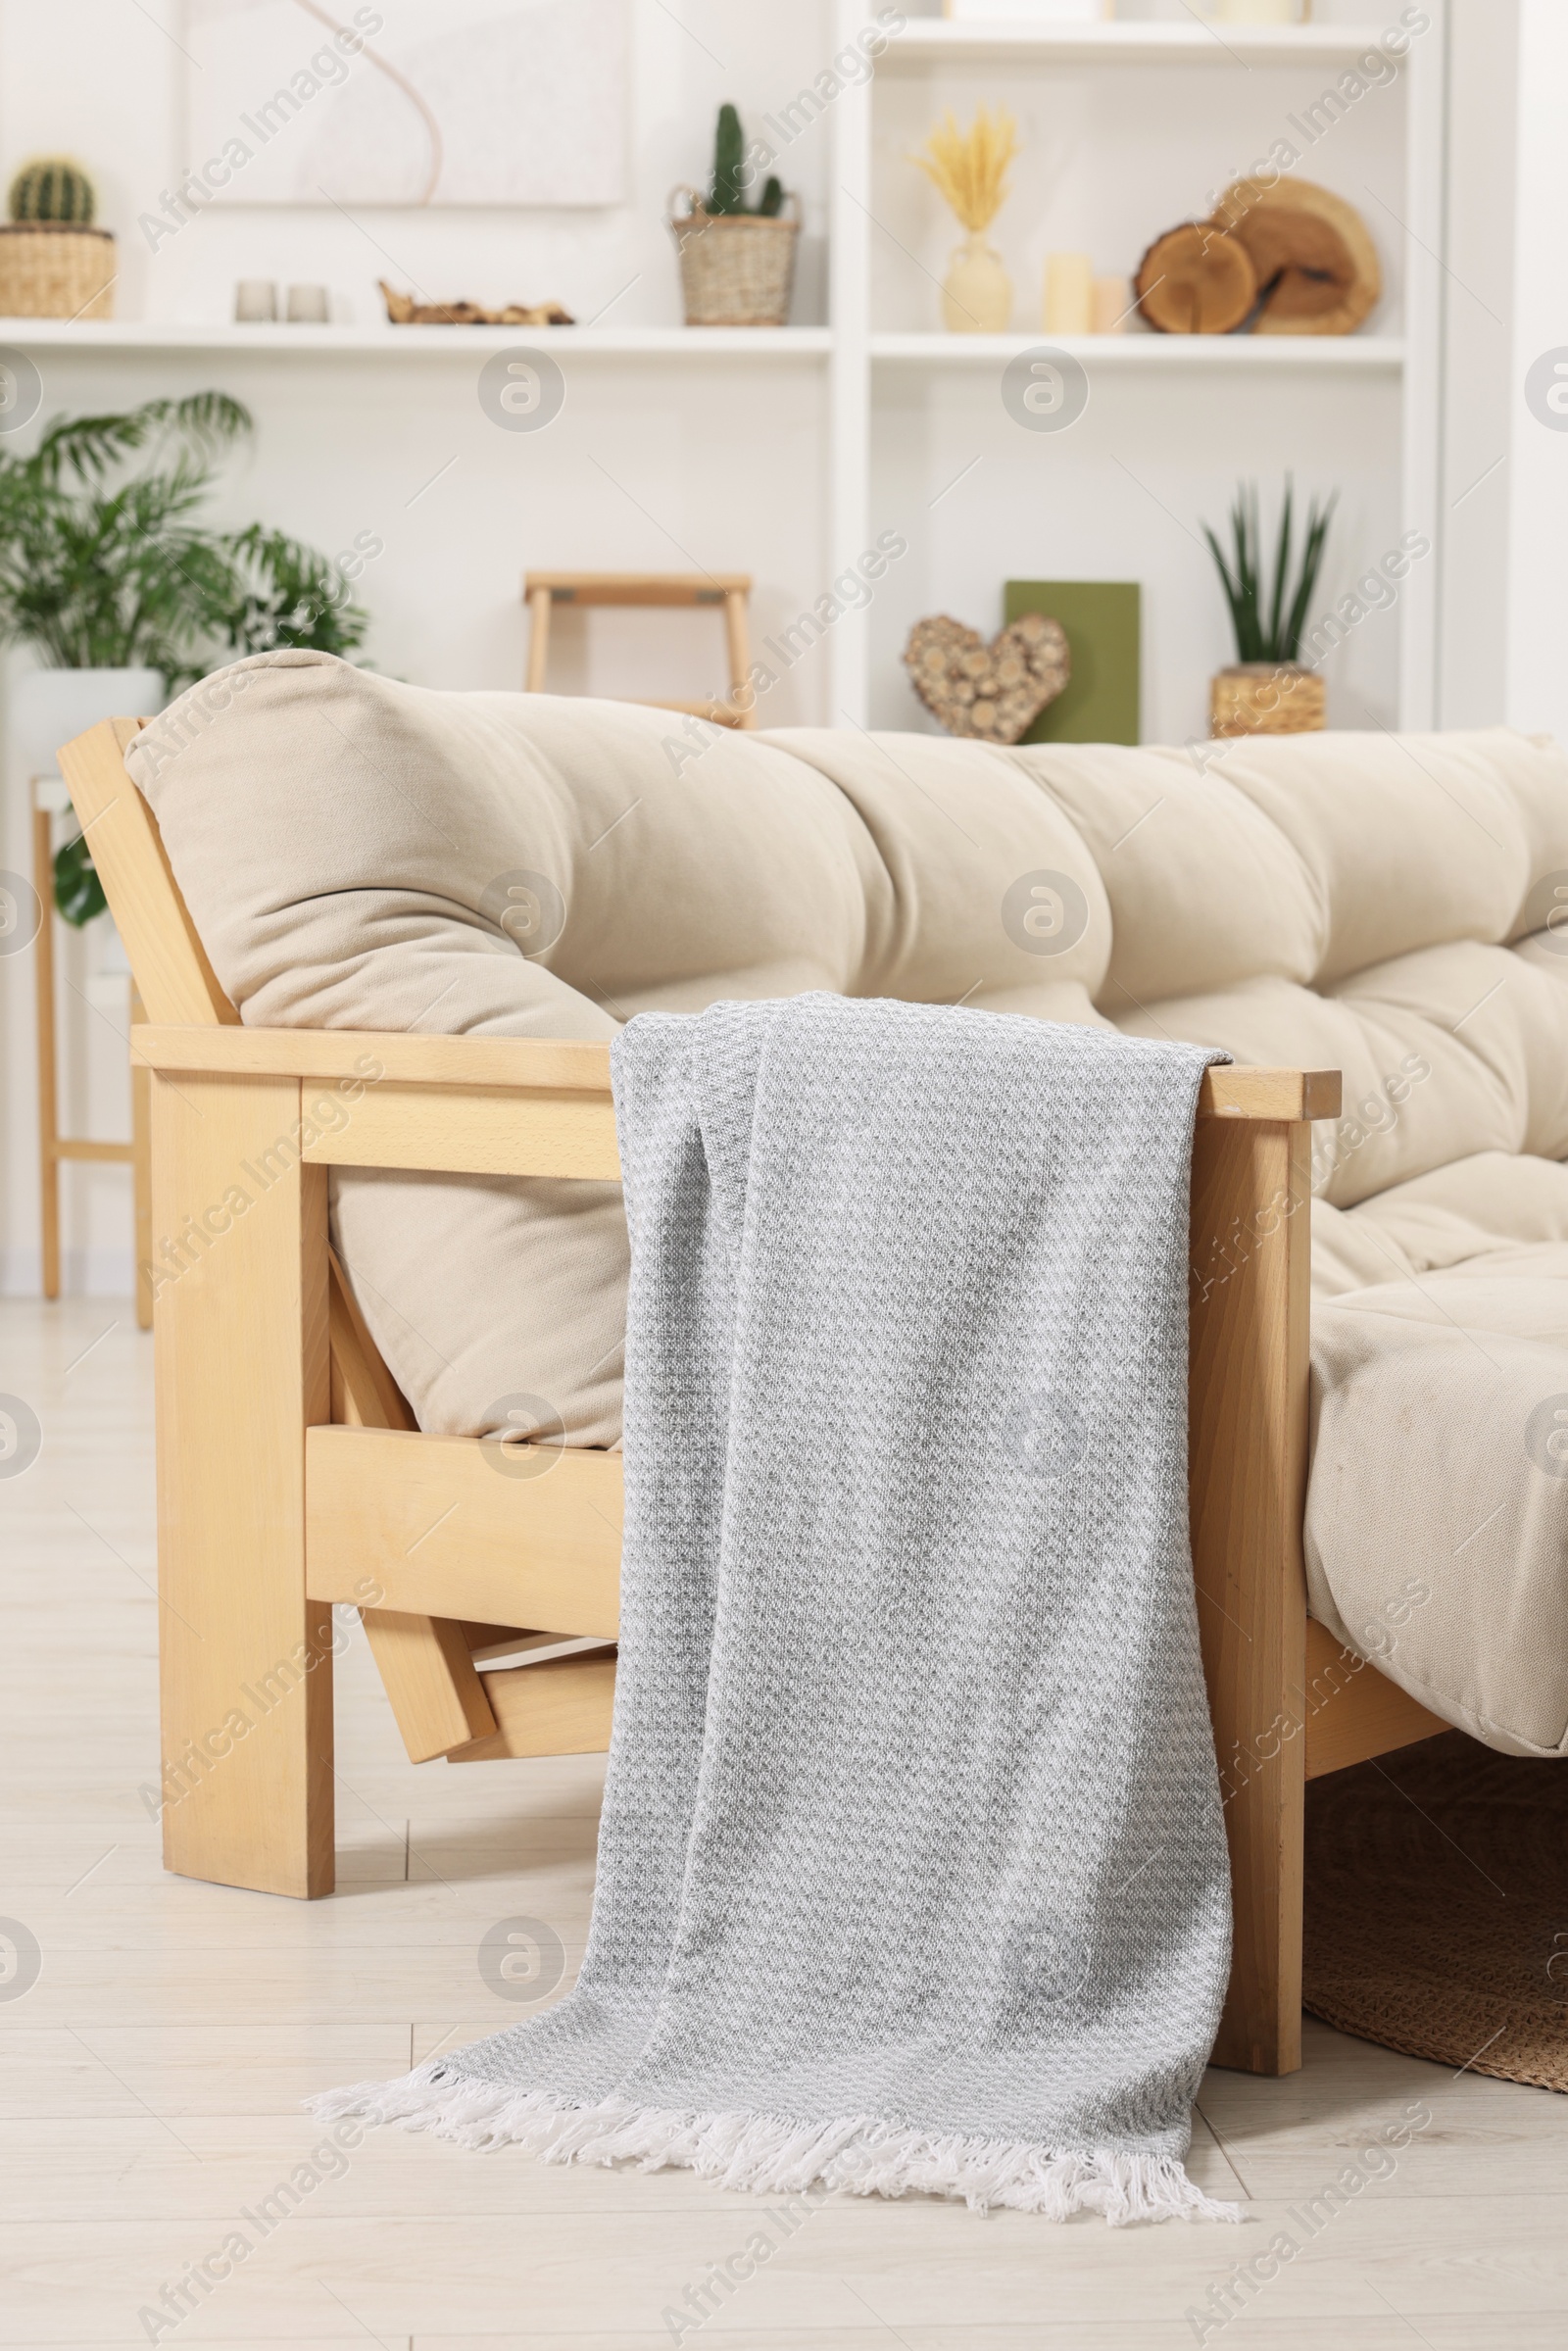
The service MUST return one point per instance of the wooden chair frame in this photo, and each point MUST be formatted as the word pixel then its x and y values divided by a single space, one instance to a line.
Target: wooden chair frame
pixel 55 1148
pixel 290 1475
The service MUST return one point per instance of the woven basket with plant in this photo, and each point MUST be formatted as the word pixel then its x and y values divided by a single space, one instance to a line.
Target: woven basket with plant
pixel 1268 691
pixel 53 262
pixel 737 265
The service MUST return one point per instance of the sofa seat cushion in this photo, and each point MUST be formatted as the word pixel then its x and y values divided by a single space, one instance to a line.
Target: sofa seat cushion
pixel 1439 1359
pixel 1437 1521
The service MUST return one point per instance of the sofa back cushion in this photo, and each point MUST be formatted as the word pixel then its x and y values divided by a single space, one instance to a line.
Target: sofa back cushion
pixel 1343 900
pixel 361 853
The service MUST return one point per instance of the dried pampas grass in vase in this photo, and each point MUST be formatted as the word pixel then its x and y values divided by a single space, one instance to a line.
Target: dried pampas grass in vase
pixel 969 171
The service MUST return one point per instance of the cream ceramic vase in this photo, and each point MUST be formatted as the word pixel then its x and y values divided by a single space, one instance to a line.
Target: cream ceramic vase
pixel 977 292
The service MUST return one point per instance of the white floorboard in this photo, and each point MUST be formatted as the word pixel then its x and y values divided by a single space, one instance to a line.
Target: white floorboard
pixel 150 2079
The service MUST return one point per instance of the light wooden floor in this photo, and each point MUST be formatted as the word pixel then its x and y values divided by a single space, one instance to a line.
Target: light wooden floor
pixel 150 2079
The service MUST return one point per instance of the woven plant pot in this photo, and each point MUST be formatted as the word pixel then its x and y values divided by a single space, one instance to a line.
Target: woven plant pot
pixel 736 269
pixel 52 272
pixel 1268 698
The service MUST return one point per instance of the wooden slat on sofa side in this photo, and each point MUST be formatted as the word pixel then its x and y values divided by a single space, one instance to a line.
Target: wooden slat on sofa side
pixel 437 1529
pixel 1353 1711
pixel 471 1130
pixel 561 1706
pixel 173 978
pixel 1247 1408
pixel 424 1662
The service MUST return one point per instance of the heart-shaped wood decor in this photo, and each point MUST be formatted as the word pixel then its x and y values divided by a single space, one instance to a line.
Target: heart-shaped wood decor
pixel 993 691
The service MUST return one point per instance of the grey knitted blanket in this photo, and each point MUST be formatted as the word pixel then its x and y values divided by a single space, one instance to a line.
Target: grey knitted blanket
pixel 911 1870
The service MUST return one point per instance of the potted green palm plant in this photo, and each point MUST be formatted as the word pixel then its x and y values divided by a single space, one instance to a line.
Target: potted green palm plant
pixel 1267 690
pixel 110 576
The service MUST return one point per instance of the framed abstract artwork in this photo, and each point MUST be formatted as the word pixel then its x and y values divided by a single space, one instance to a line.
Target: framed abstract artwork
pixel 407 102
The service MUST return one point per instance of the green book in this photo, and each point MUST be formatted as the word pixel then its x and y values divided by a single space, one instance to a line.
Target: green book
pixel 1104 625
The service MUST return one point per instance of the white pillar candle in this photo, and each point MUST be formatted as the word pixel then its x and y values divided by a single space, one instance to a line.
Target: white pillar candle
pixel 1069 294
pixel 1114 305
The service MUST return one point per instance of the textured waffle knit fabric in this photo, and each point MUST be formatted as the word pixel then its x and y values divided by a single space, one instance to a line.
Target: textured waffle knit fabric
pixel 913 1869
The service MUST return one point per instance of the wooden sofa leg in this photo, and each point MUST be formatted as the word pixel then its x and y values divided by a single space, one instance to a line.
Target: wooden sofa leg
pixel 1250 1264
pixel 242 1370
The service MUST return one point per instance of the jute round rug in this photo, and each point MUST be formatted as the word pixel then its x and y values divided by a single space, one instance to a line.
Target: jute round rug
pixel 1437 1907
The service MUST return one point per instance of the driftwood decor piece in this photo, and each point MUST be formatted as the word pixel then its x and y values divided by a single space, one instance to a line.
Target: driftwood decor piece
pixel 1315 260
pixel 1292 259
pixel 993 691
pixel 1196 280
pixel 403 311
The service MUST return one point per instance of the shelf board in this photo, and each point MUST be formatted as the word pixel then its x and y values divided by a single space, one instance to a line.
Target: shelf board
pixel 1369 355
pixel 928 42
pixel 477 342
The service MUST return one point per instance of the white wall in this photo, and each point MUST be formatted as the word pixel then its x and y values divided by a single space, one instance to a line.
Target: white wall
pixel 1537 691
pixel 1477 375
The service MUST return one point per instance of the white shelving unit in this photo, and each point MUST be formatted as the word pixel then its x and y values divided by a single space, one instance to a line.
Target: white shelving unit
pixel 1162 44
pixel 1128 125
pixel 1245 354
pixel 899 389
pixel 401 342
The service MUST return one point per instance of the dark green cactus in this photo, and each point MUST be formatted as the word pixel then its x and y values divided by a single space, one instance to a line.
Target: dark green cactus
pixel 729 153
pixel 55 190
pixel 726 196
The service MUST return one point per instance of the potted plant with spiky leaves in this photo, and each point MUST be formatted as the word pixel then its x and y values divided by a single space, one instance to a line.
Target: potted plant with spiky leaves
pixel 1268 690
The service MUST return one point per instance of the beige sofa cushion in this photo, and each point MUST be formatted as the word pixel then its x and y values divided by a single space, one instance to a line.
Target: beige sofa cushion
pixel 1440 1459
pixel 361 854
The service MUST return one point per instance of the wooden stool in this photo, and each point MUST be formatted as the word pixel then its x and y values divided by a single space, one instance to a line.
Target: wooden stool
pixel 49 800
pixel 543 590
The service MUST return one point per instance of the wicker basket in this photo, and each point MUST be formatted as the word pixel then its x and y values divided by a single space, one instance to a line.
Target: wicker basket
pixel 52 272
pixel 736 269
pixel 1268 698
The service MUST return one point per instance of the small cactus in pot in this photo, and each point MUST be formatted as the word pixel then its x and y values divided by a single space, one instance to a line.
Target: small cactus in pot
pixel 737 258
pixel 52 191
pixel 726 195
pixel 54 263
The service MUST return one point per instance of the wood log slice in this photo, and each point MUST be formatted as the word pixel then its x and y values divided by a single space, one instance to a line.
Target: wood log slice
pixel 1313 257
pixel 1196 280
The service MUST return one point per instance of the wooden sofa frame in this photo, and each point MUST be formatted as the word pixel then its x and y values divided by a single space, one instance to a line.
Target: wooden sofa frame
pixel 291 1476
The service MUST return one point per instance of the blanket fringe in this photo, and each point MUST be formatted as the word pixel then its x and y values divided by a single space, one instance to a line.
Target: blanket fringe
pixel 769 2156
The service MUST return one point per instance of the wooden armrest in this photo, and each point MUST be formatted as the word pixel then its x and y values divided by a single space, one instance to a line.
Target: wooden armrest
pixel 1235 1092
pixel 572 1065
pixel 560 1065
pixel 519 1105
